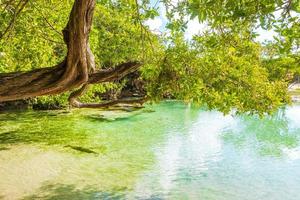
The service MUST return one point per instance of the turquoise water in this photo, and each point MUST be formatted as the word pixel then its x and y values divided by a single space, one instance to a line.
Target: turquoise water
pixel 164 151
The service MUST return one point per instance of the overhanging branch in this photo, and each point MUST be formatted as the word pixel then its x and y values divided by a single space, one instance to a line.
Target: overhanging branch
pixel 114 73
pixel 106 76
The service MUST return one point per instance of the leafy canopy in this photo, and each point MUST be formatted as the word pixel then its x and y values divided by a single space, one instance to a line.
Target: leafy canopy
pixel 224 67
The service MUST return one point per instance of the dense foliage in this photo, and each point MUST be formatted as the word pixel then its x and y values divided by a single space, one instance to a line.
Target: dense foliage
pixel 223 67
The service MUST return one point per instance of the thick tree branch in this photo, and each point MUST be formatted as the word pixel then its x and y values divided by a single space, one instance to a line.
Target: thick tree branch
pixel 77 69
pixel 71 73
pixel 106 76
pixel 115 73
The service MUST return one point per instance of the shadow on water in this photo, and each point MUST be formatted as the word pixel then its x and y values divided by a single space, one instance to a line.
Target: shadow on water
pixel 72 131
pixel 61 191
pixel 47 128
pixel 3 148
pixel 12 137
pixel 54 127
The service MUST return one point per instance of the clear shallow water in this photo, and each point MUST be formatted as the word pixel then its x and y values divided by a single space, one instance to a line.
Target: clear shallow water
pixel 165 151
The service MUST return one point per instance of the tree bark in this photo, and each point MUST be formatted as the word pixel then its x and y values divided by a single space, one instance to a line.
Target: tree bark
pixel 77 69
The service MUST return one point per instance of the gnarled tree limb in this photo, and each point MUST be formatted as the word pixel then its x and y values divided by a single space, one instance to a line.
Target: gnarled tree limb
pixel 69 74
pixel 114 74
pixel 77 69
pixel 106 76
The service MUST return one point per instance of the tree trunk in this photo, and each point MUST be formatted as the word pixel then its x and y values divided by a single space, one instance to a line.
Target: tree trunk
pixel 76 70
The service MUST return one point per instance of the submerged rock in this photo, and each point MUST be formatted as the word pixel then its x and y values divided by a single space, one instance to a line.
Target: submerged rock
pixel 111 116
pixel 81 149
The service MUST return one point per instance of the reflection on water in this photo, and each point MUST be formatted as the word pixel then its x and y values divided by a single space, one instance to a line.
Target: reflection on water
pixel 165 151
